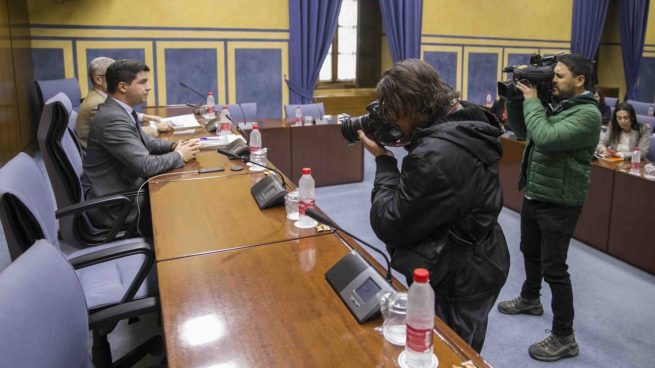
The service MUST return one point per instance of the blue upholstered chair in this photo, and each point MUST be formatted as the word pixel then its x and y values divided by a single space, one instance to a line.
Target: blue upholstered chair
pixel 46 89
pixel 243 112
pixel 63 162
pixel 650 120
pixel 116 273
pixel 316 110
pixel 611 101
pixel 651 148
pixel 44 317
pixel 641 108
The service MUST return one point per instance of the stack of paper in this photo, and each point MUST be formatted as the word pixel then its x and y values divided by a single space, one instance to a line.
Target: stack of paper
pixel 219 141
pixel 182 122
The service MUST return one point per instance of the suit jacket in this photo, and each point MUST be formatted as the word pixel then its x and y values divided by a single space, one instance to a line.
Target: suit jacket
pixel 637 138
pixel 86 114
pixel 120 157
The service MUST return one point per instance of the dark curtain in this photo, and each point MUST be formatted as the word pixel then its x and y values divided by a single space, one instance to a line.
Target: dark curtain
pixel 587 26
pixel 311 29
pixel 402 24
pixel 634 17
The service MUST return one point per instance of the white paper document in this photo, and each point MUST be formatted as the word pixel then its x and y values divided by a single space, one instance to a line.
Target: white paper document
pixel 182 121
pixel 219 141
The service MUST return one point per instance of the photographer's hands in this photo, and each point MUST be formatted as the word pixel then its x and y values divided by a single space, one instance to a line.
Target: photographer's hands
pixel 370 145
pixel 529 91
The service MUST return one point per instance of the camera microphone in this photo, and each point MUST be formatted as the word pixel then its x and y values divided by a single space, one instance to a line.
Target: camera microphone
pixel 314 214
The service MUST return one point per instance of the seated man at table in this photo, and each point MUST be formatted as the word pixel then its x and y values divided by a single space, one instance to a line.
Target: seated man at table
pixel 97 95
pixel 119 157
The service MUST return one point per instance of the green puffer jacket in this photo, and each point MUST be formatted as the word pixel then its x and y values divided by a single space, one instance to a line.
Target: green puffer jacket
pixel 556 165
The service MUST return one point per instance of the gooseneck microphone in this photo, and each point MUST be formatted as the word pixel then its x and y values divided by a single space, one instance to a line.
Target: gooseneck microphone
pixel 313 213
pixel 193 90
pixel 244 158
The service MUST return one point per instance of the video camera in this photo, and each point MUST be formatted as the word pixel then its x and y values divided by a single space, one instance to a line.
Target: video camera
pixel 539 73
pixel 381 131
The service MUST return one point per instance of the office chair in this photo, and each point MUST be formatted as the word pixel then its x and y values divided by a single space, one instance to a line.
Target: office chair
pixel 641 108
pixel 646 119
pixel 46 89
pixel 651 148
pixel 43 313
pixel 243 112
pixel 63 162
pixel 316 110
pixel 112 274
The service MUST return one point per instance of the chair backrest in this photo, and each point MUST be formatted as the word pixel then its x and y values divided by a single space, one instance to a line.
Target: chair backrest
pixel 641 108
pixel 611 101
pixel 651 148
pixel 43 314
pixel 316 110
pixel 249 110
pixel 27 211
pixel 46 89
pixel 650 120
pixel 61 152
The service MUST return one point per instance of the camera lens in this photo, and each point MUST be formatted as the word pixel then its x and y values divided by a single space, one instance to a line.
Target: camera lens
pixel 350 126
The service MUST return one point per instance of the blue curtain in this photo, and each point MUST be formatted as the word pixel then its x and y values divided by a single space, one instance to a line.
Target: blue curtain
pixel 402 23
pixel 634 16
pixel 587 26
pixel 311 29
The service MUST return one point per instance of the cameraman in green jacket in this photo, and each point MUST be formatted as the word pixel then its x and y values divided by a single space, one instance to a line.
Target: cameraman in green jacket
pixel 555 172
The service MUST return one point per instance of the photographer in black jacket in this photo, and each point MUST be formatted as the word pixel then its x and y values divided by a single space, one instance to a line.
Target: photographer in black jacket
pixel 440 212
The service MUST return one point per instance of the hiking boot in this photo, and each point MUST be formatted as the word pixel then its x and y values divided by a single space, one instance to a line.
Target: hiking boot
pixel 554 348
pixel 519 305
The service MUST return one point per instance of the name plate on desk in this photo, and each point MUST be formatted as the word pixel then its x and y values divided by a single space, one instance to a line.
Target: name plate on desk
pixel 357 284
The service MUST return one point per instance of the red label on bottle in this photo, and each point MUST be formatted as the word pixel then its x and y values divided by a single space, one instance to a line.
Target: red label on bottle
pixel 303 204
pixel 418 340
pixel 225 125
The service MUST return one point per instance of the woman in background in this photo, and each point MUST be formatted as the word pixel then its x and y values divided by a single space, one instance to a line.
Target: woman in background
pixel 624 134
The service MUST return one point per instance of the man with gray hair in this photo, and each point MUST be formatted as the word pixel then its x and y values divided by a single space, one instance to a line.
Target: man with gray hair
pixel 97 95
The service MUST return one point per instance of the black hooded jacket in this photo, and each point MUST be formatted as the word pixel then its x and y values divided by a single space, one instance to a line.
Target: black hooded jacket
pixel 441 211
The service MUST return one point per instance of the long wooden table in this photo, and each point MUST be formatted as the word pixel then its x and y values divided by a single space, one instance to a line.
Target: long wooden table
pixel 616 218
pixel 243 287
pixel 291 147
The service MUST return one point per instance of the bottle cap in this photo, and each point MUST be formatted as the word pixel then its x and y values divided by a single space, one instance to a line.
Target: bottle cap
pixel 224 106
pixel 306 171
pixel 637 148
pixel 421 275
pixel 210 93
pixel 255 126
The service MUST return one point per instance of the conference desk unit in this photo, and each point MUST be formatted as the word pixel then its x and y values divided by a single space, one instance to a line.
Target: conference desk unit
pixel 291 147
pixel 617 215
pixel 242 287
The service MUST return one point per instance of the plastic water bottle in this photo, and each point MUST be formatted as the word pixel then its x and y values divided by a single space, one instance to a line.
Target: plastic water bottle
pixel 420 321
pixel 487 101
pixel 306 198
pixel 298 120
pixel 255 148
pixel 225 122
pixel 636 161
pixel 210 104
pixel 651 111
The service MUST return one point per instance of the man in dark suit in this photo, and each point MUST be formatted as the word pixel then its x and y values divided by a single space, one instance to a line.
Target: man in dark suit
pixel 119 156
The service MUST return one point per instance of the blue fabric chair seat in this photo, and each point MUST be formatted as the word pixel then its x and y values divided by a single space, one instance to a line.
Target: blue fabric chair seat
pixel 650 120
pixel 46 89
pixel 316 110
pixel 243 112
pixel 641 108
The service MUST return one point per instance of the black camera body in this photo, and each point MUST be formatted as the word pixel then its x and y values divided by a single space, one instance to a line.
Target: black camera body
pixel 383 132
pixel 539 73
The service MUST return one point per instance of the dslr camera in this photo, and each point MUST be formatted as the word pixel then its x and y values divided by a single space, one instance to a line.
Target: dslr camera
pixel 383 132
pixel 539 73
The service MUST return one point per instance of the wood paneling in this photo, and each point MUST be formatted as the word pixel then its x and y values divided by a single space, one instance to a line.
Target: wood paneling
pixel 509 170
pixel 15 79
pixel 348 101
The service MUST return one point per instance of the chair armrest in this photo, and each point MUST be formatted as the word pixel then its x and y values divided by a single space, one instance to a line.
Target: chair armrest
pixel 108 317
pixel 117 199
pixel 120 251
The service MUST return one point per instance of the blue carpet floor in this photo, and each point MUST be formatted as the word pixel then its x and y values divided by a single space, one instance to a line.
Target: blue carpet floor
pixel 615 317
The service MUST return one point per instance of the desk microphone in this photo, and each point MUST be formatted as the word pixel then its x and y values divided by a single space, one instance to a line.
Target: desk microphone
pixel 313 213
pixel 194 91
pixel 244 157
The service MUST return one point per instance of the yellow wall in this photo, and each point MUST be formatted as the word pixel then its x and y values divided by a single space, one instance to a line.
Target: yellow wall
pixel 527 19
pixel 168 13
